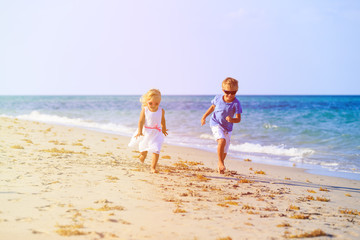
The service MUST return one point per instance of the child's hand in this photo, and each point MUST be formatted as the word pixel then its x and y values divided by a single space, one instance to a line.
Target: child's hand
pixel 164 131
pixel 229 119
pixel 203 121
pixel 139 135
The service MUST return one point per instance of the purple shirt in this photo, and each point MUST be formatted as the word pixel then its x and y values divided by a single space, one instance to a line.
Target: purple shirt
pixel 222 110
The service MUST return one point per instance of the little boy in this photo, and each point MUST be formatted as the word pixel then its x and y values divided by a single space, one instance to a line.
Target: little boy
pixel 222 120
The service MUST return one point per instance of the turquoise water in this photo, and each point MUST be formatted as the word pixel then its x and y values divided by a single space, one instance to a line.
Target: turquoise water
pixel 320 133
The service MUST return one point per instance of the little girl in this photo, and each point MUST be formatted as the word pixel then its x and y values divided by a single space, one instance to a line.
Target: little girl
pixel 151 128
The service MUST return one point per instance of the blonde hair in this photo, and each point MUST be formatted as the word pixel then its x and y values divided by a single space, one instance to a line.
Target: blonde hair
pixel 232 82
pixel 152 93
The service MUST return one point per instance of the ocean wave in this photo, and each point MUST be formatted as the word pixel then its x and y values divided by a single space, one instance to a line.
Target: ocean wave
pixel 77 122
pixel 280 150
pixel 322 163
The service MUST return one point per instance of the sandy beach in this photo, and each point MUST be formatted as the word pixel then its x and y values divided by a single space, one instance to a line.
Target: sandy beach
pixel 59 182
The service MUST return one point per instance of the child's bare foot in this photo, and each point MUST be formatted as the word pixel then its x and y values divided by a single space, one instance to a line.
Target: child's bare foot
pixel 221 169
pixel 153 170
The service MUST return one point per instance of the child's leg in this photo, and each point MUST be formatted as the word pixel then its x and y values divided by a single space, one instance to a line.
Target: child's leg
pixel 221 154
pixel 143 156
pixel 223 139
pixel 155 159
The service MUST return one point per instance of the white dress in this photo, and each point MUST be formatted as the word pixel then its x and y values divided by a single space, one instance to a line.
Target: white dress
pixel 153 137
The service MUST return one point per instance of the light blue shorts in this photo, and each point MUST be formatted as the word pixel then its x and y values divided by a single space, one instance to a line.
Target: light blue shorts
pixel 218 133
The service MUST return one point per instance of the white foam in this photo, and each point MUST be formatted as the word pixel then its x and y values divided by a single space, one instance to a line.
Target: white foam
pixel 280 150
pixel 207 136
pixel 268 125
pixel 329 164
pixel 78 122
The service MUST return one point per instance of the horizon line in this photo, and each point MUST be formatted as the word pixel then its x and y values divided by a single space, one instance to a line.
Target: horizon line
pixel 51 95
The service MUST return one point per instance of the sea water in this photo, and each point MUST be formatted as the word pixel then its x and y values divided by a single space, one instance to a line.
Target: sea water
pixel 320 133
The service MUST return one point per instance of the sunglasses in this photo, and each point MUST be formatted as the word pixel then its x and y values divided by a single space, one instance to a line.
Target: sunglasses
pixel 153 104
pixel 230 92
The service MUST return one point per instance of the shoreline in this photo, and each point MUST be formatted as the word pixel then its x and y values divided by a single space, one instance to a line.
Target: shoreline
pixel 261 159
pixel 61 181
pixel 265 158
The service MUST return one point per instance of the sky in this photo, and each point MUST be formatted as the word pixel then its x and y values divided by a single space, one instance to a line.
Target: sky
pixel 102 47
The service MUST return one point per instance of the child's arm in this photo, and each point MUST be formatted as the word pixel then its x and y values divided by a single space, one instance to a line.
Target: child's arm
pixel 141 123
pixel 163 123
pixel 236 119
pixel 208 112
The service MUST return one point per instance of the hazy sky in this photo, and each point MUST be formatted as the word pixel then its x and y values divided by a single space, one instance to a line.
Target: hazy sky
pixel 179 46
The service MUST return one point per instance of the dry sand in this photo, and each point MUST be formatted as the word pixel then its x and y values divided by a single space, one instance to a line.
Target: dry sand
pixel 60 182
